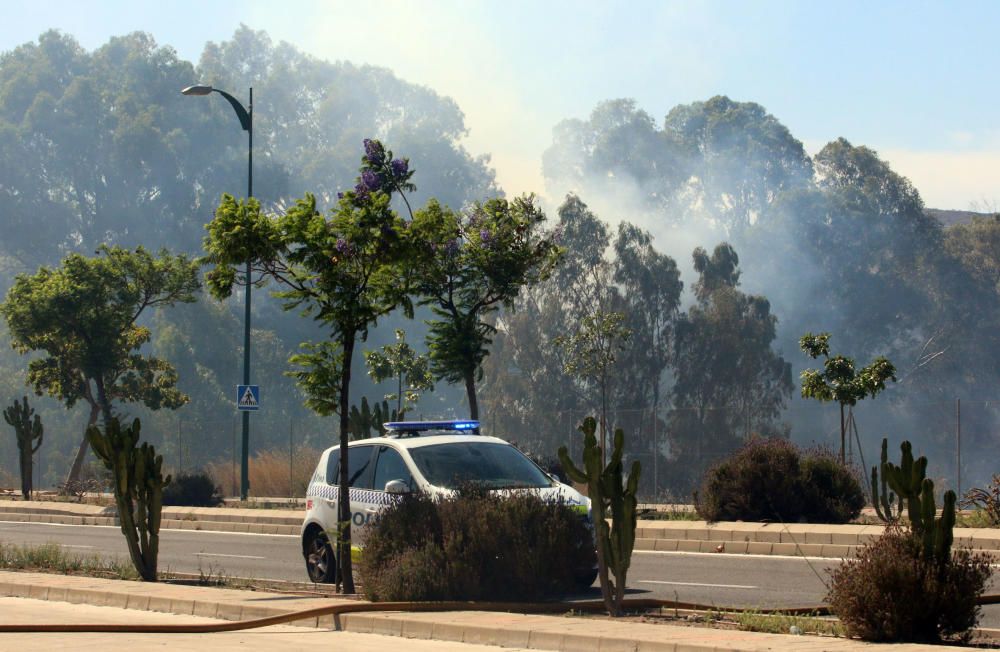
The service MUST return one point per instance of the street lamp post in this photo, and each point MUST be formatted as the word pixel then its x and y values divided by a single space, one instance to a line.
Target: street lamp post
pixel 245 114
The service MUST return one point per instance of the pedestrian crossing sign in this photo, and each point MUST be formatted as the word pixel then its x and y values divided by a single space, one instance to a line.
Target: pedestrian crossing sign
pixel 248 397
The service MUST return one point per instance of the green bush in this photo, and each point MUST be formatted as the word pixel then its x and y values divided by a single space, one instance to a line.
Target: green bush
pixel 192 490
pixel 476 545
pixel 833 492
pixel 772 480
pixel 891 592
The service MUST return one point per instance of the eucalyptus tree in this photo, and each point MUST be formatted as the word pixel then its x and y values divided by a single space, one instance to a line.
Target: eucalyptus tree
pixel 728 381
pixel 82 316
pixel 346 271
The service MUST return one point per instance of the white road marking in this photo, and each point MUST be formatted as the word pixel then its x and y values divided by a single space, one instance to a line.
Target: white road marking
pixel 217 554
pixel 66 545
pixel 731 554
pixel 713 586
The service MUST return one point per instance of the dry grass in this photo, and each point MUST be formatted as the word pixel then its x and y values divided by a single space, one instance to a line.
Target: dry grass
pixel 270 473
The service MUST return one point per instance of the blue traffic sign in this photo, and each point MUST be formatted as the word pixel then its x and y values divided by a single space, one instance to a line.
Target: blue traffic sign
pixel 248 397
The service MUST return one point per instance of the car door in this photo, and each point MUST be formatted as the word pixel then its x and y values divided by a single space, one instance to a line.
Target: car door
pixel 359 477
pixel 363 500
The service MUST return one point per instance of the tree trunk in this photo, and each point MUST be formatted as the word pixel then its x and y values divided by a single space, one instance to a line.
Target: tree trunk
pixel 843 459
pixel 81 453
pixel 470 390
pixel 343 494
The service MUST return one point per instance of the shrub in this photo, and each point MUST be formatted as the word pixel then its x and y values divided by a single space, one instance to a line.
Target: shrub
pixel 475 545
pixel 833 492
pixel 770 479
pixel 192 490
pixel 986 500
pixel 890 592
pixel 761 481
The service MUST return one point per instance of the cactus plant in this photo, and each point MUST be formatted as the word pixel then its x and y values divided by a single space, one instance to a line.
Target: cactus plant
pixel 906 480
pixel 362 422
pixel 138 489
pixel 607 491
pixel 909 483
pixel 27 430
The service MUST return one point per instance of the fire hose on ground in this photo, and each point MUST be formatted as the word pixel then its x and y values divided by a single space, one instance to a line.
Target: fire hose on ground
pixel 413 607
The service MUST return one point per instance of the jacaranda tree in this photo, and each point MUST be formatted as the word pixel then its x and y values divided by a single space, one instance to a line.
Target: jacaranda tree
pixel 345 270
pixel 468 265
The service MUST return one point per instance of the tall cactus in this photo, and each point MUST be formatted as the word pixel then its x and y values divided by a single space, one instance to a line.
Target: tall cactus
pixel 27 430
pixel 608 491
pixel 906 480
pixel 362 422
pixel 138 488
pixel 910 484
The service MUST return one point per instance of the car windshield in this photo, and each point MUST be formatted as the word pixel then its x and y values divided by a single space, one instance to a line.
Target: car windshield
pixel 497 466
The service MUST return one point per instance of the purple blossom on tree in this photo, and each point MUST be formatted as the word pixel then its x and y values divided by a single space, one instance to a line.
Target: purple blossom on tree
pixel 361 192
pixel 371 180
pixel 399 167
pixel 451 248
pixel 374 152
pixel 342 246
pixel 485 236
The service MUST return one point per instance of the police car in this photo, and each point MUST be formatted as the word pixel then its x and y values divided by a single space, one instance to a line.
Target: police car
pixel 432 457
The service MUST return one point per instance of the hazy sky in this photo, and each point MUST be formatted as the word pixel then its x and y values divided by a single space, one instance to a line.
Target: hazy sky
pixel 916 81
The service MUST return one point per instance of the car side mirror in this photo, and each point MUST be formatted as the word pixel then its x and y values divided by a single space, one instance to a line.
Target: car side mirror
pixel 397 487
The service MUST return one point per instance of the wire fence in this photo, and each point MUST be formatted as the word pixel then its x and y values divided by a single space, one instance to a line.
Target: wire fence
pixel 675 446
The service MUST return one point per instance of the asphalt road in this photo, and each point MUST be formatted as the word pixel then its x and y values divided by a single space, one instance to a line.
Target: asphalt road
pixel 748 581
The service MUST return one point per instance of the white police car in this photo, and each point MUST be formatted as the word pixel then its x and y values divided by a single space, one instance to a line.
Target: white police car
pixel 433 457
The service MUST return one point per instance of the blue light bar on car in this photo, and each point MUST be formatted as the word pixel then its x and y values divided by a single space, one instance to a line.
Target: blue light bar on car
pixel 420 426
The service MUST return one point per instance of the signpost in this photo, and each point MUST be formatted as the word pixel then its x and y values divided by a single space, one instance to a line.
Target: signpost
pixel 248 397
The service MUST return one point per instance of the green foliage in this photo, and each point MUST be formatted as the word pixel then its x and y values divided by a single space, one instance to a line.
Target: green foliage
pixel 839 381
pixel 398 361
pixel 26 430
pixel 476 545
pixel 730 382
pixel 138 489
pixel 345 271
pixel 468 265
pixel 771 480
pixel 891 591
pixel 611 497
pixel 192 490
pixel 82 316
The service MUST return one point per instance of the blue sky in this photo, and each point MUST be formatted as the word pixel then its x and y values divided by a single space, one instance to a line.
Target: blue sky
pixel 914 80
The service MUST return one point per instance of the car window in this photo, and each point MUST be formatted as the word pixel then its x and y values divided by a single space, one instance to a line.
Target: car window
pixel 484 463
pixel 390 466
pixel 333 468
pixel 358 467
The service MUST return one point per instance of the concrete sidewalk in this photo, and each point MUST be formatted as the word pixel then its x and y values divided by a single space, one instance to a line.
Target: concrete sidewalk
pixel 216 519
pixel 569 633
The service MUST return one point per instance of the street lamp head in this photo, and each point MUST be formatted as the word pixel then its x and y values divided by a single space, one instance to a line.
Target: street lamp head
pixel 197 90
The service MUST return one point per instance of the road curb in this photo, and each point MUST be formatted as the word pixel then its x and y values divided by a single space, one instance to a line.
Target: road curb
pixel 507 629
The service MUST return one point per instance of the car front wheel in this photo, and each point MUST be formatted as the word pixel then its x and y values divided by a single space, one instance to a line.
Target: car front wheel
pixel 321 564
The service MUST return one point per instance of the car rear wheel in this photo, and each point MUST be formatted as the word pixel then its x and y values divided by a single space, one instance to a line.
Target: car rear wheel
pixel 321 564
